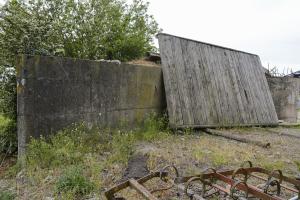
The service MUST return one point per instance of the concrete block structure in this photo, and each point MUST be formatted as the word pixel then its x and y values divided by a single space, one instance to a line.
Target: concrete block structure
pixel 286 92
pixel 54 92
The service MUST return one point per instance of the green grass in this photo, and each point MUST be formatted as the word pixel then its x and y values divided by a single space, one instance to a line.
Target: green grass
pixel 73 182
pixel 219 159
pixel 274 165
pixel 3 121
pixel 8 135
pixel 7 195
pixel 92 150
pixel 298 164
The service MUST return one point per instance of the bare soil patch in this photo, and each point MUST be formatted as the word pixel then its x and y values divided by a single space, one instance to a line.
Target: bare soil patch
pixel 193 153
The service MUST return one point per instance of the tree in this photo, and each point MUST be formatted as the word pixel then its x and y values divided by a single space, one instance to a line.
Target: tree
pixel 88 29
pixel 91 29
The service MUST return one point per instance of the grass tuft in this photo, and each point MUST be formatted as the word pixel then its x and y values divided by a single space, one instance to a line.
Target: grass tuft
pixel 95 150
pixel 7 195
pixel 73 182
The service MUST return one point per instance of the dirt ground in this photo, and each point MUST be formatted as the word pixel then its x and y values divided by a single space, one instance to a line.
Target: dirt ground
pixel 194 152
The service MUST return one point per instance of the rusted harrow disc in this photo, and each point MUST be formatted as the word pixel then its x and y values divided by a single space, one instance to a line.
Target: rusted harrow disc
pixel 232 184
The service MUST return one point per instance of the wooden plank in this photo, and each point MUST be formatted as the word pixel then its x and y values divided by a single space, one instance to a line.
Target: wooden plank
pixel 205 82
pixel 226 86
pixel 212 86
pixel 142 190
pixel 110 192
pixel 236 138
pixel 171 85
pixel 189 59
pixel 267 92
pixel 184 91
pixel 250 91
pixel 246 115
pixel 213 117
pixel 214 83
pixel 235 87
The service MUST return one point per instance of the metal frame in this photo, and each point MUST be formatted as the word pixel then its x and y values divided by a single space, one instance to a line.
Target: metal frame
pixel 210 187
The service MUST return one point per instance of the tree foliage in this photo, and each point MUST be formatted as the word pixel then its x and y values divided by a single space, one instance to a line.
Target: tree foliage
pixel 8 110
pixel 92 29
pixel 88 29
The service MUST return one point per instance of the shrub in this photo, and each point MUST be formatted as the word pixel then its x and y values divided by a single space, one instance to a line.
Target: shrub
pixel 73 181
pixel 7 195
pixel 155 122
pixel 8 110
pixel 8 136
pixel 122 146
pixel 73 145
pixel 298 164
pixel 155 127
pixel 40 153
pixel 67 147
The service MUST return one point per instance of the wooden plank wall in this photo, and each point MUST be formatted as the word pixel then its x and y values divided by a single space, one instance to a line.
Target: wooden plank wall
pixel 212 86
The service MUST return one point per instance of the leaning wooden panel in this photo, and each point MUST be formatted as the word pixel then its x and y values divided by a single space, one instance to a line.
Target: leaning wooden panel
pixel 212 86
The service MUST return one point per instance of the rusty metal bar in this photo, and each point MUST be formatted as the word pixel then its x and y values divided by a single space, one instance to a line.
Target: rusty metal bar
pixel 141 189
pixel 248 170
pixel 283 186
pixel 228 177
pixel 110 192
pixel 250 189
pixel 190 192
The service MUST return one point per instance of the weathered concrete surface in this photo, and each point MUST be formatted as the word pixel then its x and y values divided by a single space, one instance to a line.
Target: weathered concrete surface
pixel 54 92
pixel 285 93
pixel 298 100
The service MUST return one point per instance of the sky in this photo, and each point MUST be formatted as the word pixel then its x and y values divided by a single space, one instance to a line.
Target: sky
pixel 268 28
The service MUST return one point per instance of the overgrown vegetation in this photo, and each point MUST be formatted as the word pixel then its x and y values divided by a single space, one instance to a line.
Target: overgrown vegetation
pixel 8 110
pixel 8 138
pixel 73 183
pixel 298 164
pixel 90 29
pixel 77 156
pixel 80 162
pixel 7 195
pixel 102 29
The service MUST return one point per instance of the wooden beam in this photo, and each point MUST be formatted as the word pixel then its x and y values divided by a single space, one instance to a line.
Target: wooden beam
pixel 142 190
pixel 236 138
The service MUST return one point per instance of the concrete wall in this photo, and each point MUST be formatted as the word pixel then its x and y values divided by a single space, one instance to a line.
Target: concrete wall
pixel 285 93
pixel 54 92
pixel 298 99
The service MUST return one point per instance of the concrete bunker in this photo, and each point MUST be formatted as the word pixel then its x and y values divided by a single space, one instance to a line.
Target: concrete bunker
pixel 286 96
pixel 54 92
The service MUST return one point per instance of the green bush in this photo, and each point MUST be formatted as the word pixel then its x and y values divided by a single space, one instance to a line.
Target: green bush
pixel 8 110
pixel 7 195
pixel 121 146
pixel 104 29
pixel 8 136
pixel 67 147
pixel 155 127
pixel 73 181
pixel 94 149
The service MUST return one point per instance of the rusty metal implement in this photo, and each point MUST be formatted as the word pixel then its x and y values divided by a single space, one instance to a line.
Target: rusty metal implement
pixel 241 183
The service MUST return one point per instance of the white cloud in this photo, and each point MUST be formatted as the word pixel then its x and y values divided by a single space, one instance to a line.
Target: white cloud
pixel 269 28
